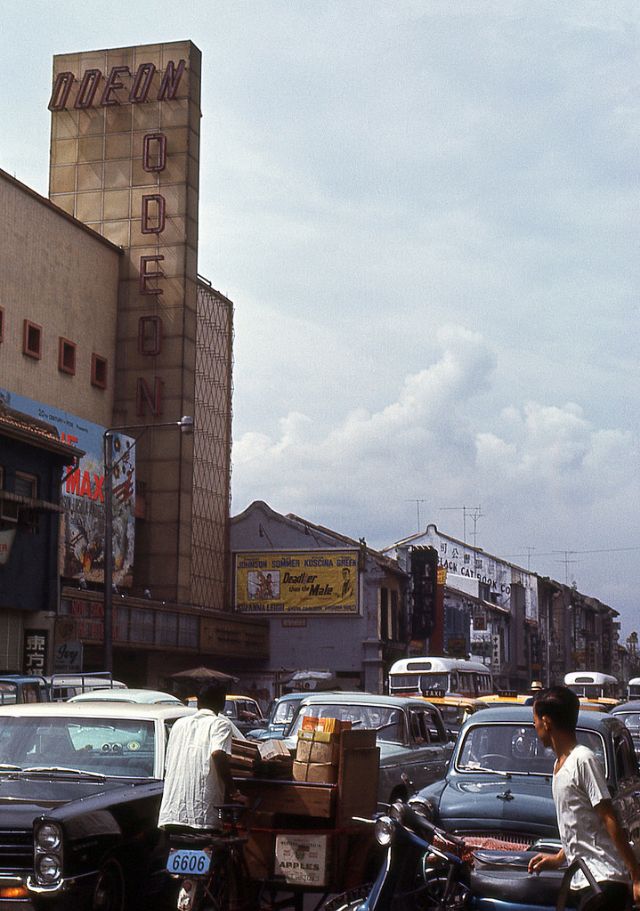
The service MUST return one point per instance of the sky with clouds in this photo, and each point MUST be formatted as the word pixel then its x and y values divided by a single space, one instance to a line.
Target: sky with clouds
pixel 426 214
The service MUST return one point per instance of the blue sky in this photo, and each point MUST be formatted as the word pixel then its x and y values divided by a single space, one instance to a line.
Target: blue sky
pixel 426 216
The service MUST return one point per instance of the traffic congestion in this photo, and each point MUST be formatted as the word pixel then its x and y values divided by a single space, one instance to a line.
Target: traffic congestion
pixel 317 791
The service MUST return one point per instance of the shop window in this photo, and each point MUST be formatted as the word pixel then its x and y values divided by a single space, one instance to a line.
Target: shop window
pixel 32 339
pixel 66 356
pixel 98 371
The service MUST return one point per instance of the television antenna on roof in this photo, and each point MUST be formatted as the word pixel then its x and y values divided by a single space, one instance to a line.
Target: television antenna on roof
pixel 473 512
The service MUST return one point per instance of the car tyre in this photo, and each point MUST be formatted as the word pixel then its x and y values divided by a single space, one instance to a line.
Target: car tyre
pixel 109 891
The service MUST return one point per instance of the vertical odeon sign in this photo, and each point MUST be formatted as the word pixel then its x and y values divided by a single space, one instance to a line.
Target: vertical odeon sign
pixel 124 160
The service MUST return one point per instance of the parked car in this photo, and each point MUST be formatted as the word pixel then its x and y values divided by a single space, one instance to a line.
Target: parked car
pixel 141 697
pixel 414 745
pixel 455 709
pixel 16 689
pixel 497 789
pixel 279 718
pixel 245 712
pixel 629 712
pixel 81 787
pixel 63 686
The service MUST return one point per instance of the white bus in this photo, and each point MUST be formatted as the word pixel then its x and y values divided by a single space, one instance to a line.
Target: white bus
pixel 418 676
pixel 633 689
pixel 592 684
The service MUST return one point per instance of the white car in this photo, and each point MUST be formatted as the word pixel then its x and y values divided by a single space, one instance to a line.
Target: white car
pixel 140 697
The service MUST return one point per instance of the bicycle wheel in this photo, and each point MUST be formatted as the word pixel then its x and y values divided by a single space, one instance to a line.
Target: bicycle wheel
pixel 215 896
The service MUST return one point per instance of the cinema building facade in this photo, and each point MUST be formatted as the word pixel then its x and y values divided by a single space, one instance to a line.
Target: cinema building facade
pixel 105 323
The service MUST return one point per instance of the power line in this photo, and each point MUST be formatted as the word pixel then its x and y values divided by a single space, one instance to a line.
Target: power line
pixel 553 553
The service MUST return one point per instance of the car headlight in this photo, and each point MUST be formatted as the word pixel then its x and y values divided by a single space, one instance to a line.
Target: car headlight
pixel 383 830
pixel 48 868
pixel 48 836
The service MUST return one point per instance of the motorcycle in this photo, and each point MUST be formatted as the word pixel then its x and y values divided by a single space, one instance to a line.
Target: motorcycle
pixel 427 869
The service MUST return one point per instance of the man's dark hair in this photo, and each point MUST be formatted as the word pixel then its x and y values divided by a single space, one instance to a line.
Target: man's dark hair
pixel 560 704
pixel 212 696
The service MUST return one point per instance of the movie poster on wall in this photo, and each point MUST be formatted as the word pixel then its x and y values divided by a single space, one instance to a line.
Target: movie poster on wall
pixel 82 529
pixel 297 582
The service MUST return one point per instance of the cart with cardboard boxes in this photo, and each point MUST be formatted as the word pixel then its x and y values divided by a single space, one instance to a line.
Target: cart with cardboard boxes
pixel 302 837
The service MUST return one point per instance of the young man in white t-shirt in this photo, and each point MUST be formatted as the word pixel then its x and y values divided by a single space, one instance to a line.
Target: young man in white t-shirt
pixel 197 773
pixel 589 827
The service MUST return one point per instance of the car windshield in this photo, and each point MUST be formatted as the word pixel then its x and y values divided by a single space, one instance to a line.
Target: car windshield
pixel 453 715
pixel 112 747
pixel 386 720
pixel 632 721
pixel 515 748
pixel 284 711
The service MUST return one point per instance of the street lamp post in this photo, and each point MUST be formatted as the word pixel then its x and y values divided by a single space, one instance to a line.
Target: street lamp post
pixel 186 426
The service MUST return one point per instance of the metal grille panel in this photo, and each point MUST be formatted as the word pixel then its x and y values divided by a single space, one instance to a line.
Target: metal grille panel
pixel 212 449
pixel 16 850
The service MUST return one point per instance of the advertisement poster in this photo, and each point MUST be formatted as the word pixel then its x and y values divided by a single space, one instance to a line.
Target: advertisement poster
pixel 82 533
pixel 297 582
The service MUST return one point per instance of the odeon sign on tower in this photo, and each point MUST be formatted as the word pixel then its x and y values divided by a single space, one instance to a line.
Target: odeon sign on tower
pixel 125 160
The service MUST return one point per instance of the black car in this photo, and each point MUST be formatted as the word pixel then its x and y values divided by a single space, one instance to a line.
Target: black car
pixel 497 789
pixel 80 790
pixel 629 712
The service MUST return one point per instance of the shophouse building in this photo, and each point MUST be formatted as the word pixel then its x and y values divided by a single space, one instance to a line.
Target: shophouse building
pixel 487 608
pixel 332 603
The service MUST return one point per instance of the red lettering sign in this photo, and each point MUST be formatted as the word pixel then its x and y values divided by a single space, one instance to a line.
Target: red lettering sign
pixel 170 80
pixel 149 335
pixel 113 83
pixel 148 162
pixel 142 83
pixel 146 276
pixel 60 92
pixel 87 90
pixel 153 224
pixel 144 396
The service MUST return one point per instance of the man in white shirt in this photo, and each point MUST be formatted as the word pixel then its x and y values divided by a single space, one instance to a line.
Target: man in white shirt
pixel 197 773
pixel 588 825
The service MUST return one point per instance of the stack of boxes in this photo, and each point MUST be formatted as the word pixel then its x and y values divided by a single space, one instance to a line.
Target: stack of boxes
pixel 318 750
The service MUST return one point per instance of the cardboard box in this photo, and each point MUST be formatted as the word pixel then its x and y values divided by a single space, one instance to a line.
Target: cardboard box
pixel 320 772
pixel 312 750
pixel 303 859
pixel 272 749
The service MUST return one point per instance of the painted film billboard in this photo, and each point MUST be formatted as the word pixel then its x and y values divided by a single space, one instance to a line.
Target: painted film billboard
pixel 82 533
pixel 302 582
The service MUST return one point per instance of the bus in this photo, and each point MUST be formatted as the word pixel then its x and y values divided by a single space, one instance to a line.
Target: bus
pixel 633 689
pixel 420 676
pixel 593 685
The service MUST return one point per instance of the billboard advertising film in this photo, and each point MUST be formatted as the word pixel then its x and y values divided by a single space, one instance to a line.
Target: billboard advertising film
pixel 82 533
pixel 302 582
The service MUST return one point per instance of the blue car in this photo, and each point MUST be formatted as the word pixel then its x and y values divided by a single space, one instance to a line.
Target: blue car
pixel 280 715
pixel 497 789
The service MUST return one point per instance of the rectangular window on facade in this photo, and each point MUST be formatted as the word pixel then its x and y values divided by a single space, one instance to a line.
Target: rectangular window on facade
pixel 26 485
pixel 32 339
pixel 98 371
pixel 66 356
pixel 384 614
pixel 1 323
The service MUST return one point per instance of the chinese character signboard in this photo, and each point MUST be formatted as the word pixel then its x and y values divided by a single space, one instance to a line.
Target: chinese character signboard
pixel 35 651
pixel 83 496
pixel 297 582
